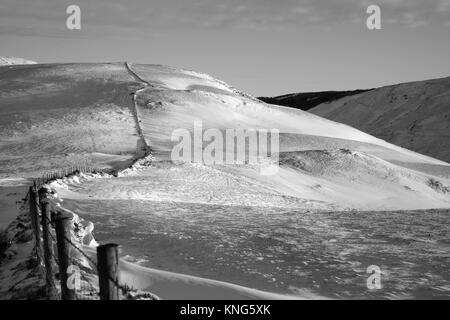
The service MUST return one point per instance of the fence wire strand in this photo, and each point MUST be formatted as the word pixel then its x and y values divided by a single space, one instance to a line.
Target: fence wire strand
pixel 86 289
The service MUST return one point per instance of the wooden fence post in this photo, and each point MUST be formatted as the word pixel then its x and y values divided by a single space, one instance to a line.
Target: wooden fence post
pixel 34 216
pixel 63 224
pixel 48 248
pixel 108 271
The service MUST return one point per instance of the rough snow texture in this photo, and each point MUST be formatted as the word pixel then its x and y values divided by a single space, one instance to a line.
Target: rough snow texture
pixel 292 251
pixel 413 115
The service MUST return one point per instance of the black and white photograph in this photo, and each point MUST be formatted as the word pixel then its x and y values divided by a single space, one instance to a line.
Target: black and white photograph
pixel 224 150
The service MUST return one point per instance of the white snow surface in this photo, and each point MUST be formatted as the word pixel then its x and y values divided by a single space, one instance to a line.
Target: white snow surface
pixel 8 61
pixel 59 115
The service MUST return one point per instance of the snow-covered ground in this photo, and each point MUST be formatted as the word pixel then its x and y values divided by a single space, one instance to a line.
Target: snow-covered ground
pixel 12 191
pixel 294 252
pixel 8 61
pixel 308 231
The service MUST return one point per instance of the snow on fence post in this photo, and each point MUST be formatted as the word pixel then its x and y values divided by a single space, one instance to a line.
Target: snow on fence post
pixel 63 224
pixel 108 271
pixel 48 247
pixel 34 216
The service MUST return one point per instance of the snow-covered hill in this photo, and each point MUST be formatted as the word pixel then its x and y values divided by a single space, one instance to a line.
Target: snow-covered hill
pixel 58 115
pixel 7 61
pixel 413 115
pixel 55 116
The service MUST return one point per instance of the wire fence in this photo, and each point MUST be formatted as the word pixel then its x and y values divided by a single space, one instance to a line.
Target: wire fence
pixel 87 283
pixel 82 284
pixel 84 289
pixel 64 173
pixel 80 275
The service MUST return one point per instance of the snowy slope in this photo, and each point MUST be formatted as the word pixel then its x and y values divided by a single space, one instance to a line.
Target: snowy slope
pixel 168 104
pixel 176 104
pixel 55 116
pixel 7 61
pixel 413 115
pixel 59 115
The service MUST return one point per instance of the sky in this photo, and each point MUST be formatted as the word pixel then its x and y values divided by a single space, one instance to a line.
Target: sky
pixel 263 47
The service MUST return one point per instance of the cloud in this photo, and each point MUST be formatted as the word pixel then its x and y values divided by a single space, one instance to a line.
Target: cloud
pixel 443 7
pixel 414 13
pixel 134 16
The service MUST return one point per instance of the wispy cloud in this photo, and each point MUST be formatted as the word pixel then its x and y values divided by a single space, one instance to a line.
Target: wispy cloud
pixel 294 14
pixel 47 17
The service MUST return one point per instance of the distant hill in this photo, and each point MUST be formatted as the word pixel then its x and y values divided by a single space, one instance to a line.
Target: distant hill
pixel 413 115
pixel 7 61
pixel 308 100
